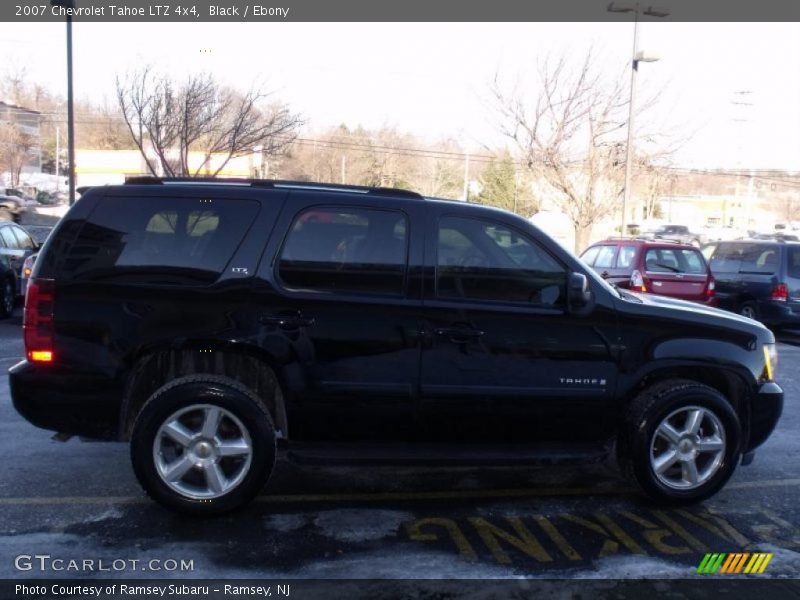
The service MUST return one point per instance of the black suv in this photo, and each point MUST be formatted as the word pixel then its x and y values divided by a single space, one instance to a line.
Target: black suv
pixel 211 323
pixel 758 279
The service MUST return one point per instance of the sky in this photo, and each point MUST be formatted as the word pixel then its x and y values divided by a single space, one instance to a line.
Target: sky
pixel 432 79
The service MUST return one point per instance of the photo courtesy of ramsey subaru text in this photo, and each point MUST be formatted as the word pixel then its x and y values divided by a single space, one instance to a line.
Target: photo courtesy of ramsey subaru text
pixel 214 324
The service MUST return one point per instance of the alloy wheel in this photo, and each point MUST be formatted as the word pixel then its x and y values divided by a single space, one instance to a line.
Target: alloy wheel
pixel 687 448
pixel 202 451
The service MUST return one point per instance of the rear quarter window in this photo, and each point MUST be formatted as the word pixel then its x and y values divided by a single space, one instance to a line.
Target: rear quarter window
pixel 159 240
pixel 760 258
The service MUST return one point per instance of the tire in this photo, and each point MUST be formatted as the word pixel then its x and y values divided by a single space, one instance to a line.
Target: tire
pixel 749 310
pixel 8 298
pixel 222 471
pixel 640 444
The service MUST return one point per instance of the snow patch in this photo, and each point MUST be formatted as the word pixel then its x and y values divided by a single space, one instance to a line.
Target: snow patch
pixel 356 525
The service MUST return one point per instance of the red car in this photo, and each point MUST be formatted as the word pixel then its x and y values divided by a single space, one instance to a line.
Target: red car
pixel 656 267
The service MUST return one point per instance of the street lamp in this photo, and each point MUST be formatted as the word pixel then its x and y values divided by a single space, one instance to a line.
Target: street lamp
pixel 69 4
pixel 637 56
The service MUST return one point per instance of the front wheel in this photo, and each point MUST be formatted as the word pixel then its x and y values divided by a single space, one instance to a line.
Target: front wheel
pixel 682 441
pixel 203 445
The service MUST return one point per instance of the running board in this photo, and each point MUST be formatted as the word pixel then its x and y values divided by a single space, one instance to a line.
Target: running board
pixel 439 454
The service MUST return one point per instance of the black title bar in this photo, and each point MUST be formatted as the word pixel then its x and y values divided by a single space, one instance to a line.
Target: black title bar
pixel 262 11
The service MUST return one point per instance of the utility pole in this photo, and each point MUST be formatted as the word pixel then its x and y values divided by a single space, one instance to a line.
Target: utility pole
pixel 70 116
pixel 58 157
pixel 636 58
pixel 741 99
pixel 466 177
pixel 344 169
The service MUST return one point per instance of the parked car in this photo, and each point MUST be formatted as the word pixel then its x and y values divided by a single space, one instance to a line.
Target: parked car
pixel 11 208
pixel 675 233
pixel 759 279
pixel 211 323
pixel 16 245
pixel 663 268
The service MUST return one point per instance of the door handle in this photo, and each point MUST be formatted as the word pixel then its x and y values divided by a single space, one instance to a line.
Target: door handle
pixel 604 274
pixel 459 335
pixel 287 321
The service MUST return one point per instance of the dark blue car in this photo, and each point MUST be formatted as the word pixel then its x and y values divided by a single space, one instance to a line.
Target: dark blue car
pixel 759 279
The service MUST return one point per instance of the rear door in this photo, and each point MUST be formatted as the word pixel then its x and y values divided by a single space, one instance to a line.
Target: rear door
pixel 676 272
pixel 759 270
pixel 344 305
pixel 724 263
pixel 793 275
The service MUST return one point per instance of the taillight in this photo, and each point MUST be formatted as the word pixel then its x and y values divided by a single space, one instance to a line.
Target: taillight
pixel 38 320
pixel 710 287
pixel 638 283
pixel 27 267
pixel 780 292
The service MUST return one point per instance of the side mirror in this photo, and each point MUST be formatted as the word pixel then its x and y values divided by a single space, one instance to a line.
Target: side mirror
pixel 579 294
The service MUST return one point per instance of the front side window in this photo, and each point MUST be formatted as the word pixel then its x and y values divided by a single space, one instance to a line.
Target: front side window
pixel 346 250
pixel 590 255
pixel 605 258
pixel 484 260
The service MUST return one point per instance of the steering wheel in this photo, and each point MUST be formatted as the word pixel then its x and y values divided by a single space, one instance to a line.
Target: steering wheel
pixel 474 260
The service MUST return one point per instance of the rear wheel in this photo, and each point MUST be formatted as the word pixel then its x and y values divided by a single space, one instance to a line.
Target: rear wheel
pixel 749 310
pixel 682 441
pixel 203 444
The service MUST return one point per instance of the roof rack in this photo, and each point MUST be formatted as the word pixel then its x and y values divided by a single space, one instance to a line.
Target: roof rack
pixel 272 183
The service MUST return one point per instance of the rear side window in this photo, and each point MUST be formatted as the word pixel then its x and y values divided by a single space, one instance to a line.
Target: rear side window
pixel 760 258
pixel 674 260
pixel 346 250
pixel 794 262
pixel 23 239
pixel 159 240
pixel 625 257
pixel 8 237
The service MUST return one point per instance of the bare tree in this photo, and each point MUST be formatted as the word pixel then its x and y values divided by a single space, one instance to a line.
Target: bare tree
pixel 571 136
pixel 200 115
pixel 15 149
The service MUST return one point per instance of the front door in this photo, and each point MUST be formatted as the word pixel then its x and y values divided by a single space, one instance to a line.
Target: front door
pixel 504 360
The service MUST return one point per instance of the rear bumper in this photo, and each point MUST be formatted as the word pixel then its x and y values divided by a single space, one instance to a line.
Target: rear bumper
pixel 65 401
pixel 779 313
pixel 765 411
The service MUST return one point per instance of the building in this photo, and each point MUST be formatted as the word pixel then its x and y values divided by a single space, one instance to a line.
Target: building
pixel 109 167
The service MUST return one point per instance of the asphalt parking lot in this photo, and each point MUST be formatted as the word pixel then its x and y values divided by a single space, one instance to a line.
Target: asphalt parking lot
pixel 79 500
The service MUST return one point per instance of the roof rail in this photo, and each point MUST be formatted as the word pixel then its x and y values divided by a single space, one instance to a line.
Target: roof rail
pixel 272 183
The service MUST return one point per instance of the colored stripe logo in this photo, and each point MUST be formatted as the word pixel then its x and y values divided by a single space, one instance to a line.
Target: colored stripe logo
pixel 734 563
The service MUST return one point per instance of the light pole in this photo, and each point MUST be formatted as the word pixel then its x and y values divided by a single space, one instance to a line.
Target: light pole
pixel 69 4
pixel 636 57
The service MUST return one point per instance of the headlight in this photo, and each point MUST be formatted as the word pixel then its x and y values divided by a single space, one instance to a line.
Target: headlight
pixel 770 361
